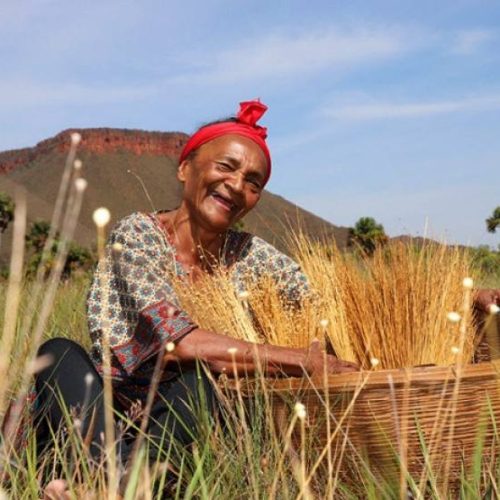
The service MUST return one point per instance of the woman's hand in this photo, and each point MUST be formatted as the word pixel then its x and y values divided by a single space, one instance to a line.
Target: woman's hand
pixel 227 355
pixel 486 298
pixel 318 362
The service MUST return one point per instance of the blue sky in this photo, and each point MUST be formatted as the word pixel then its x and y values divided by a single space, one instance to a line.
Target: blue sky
pixel 383 108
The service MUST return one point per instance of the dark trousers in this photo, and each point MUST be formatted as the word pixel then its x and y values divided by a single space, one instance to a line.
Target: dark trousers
pixel 72 383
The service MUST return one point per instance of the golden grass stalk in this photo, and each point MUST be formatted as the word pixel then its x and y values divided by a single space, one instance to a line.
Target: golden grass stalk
pixel 68 207
pixel 258 314
pixel 385 311
pixel 13 297
pixel 52 283
pixel 101 217
pixel 390 310
pixel 64 200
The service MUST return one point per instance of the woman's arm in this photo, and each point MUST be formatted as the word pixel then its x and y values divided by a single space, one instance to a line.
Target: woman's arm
pixel 224 354
pixel 486 298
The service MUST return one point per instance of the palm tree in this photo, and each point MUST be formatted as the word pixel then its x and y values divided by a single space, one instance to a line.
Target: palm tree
pixel 6 211
pixel 367 233
pixel 38 234
pixel 494 221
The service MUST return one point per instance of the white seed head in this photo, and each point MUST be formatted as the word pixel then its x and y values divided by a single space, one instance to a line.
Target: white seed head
pixel 75 138
pixel 77 423
pixel 243 295
pixel 232 350
pixel 89 378
pixel 455 350
pixel 374 362
pixel 493 309
pixel 77 165
pixel 324 323
pixel 300 411
pixel 101 217
pixel 453 317
pixel 81 184
pixel 170 347
pixel 468 283
pixel 117 247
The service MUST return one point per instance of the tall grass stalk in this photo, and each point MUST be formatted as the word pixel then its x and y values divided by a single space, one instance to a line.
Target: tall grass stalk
pixel 71 173
pixel 13 297
pixel 23 371
pixel 52 284
pixel 101 218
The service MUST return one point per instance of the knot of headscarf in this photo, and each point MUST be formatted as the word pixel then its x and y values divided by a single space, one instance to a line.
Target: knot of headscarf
pixel 245 125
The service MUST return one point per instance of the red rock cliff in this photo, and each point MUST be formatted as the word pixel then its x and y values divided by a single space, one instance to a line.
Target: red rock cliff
pixel 99 140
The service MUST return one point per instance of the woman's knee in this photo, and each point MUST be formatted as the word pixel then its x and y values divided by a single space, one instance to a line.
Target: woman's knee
pixel 67 363
pixel 57 346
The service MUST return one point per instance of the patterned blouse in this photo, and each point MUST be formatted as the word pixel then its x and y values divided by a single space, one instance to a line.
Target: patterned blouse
pixel 134 285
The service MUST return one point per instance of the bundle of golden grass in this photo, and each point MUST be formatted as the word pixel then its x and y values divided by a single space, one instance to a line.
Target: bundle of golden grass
pixel 389 310
pixel 258 314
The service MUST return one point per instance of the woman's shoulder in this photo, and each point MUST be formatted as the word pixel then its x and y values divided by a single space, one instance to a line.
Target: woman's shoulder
pixel 140 231
pixel 241 243
pixel 138 224
pixel 252 249
pixel 136 221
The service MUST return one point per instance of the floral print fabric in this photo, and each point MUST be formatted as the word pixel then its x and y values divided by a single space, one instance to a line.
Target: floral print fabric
pixel 132 294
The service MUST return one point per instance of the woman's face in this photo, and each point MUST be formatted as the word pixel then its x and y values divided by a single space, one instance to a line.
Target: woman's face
pixel 223 181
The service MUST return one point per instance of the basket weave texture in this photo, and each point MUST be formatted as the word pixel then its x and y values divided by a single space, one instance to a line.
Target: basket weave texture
pixel 420 423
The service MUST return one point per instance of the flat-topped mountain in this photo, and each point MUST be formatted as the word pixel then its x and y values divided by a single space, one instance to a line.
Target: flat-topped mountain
pixel 99 140
pixel 130 170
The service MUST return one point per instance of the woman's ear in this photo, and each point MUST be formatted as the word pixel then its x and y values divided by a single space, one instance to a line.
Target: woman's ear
pixel 181 171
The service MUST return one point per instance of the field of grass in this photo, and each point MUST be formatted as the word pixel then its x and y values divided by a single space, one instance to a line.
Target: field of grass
pixel 303 444
pixel 392 430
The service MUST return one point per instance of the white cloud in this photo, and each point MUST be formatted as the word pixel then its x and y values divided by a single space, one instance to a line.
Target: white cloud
pixel 21 93
pixel 389 110
pixel 470 41
pixel 285 55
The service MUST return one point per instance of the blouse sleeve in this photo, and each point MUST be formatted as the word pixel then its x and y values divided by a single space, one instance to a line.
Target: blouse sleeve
pixel 262 258
pixel 133 290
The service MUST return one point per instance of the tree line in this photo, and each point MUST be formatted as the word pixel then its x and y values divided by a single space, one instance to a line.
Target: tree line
pixel 365 236
pixel 79 260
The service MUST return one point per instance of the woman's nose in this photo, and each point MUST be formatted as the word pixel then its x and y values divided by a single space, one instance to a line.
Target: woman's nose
pixel 235 182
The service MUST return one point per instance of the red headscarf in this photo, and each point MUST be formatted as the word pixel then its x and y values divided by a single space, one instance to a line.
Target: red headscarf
pixel 245 125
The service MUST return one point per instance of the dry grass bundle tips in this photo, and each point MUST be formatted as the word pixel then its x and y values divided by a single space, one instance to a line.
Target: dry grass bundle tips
pixel 389 310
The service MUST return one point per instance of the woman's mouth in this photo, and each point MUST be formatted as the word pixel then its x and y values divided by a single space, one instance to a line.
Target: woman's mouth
pixel 224 202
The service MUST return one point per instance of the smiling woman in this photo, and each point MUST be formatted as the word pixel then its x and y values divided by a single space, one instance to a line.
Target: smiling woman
pixel 223 181
pixel 224 168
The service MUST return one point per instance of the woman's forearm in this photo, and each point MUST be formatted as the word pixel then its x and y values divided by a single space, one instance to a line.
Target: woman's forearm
pixel 224 354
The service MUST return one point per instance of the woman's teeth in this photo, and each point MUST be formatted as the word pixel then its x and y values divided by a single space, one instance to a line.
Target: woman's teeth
pixel 227 203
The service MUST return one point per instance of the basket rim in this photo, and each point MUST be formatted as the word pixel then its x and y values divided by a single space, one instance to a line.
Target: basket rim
pixel 370 379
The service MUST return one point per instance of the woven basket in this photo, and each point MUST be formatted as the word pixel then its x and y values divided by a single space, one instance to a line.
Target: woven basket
pixel 413 424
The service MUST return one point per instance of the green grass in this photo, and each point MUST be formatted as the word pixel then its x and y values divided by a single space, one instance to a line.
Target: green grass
pixel 246 458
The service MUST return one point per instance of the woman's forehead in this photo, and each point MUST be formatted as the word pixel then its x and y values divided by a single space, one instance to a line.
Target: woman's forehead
pixel 233 145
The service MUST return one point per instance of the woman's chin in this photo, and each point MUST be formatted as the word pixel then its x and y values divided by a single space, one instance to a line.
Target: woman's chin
pixel 218 220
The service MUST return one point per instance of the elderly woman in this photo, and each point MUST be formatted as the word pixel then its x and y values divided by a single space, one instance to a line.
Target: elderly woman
pixel 224 168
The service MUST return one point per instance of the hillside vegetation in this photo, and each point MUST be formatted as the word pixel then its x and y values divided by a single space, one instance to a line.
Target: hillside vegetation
pixel 129 171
